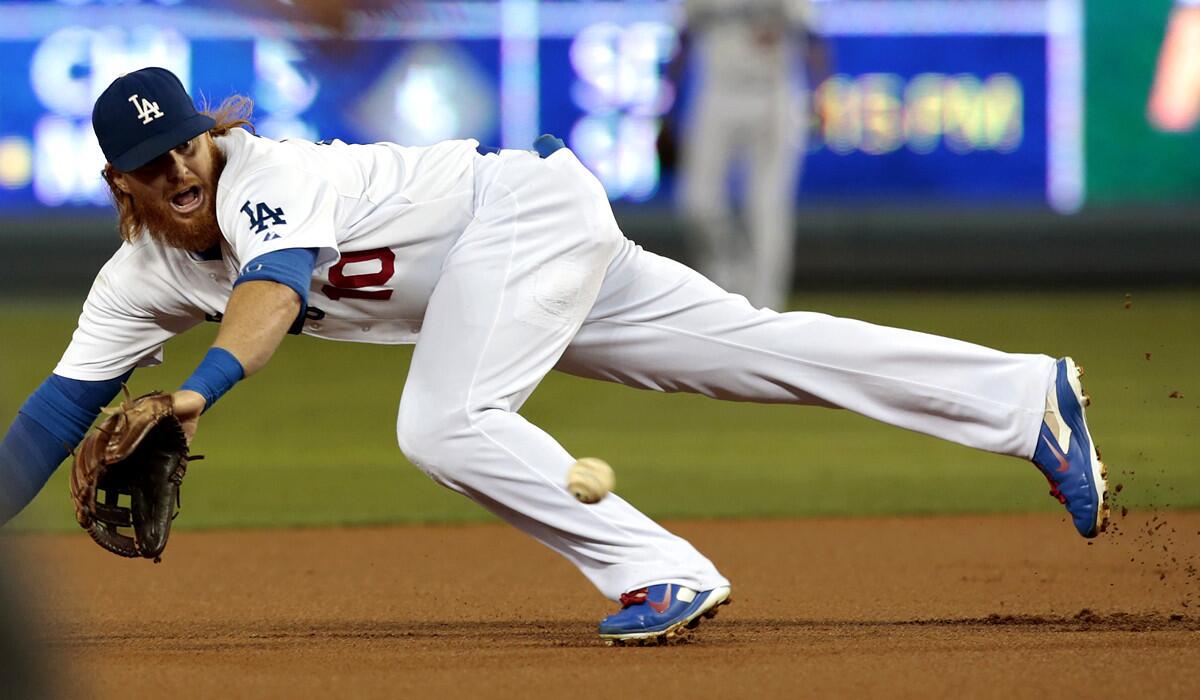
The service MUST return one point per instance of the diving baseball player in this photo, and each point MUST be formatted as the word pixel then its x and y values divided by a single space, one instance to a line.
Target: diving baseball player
pixel 749 112
pixel 499 266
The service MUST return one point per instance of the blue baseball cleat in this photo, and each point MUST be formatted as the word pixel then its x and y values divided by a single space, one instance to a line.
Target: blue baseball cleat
pixel 660 613
pixel 1067 456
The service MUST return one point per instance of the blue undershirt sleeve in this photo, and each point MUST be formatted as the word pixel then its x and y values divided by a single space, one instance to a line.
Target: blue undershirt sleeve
pixel 292 267
pixel 46 429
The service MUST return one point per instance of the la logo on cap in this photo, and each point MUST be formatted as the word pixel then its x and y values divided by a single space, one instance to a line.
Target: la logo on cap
pixel 147 111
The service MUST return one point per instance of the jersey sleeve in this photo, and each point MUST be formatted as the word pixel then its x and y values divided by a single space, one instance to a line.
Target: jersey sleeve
pixel 280 207
pixel 116 333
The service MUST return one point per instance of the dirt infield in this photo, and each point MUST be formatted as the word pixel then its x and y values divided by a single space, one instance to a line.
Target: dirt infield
pixel 965 606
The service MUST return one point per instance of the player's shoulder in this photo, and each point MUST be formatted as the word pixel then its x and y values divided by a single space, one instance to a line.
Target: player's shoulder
pixel 257 161
pixel 245 152
pixel 238 141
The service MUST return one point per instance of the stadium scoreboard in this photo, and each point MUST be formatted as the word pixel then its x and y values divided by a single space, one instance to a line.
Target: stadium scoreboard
pixel 936 102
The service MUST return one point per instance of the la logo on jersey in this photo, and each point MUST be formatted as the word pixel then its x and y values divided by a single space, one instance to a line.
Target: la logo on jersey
pixel 147 111
pixel 259 215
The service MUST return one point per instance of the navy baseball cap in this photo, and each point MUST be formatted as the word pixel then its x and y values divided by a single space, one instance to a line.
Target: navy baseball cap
pixel 144 114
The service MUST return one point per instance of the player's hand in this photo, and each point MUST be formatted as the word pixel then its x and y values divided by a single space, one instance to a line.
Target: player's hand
pixel 188 406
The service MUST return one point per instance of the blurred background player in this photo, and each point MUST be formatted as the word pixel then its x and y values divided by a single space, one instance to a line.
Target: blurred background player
pixel 1175 98
pixel 749 126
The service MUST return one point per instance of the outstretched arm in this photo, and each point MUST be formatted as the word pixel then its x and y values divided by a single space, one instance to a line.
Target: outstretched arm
pixel 259 314
pixel 269 299
pixel 46 429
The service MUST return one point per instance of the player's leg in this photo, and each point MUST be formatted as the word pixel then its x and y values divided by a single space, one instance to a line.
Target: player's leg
pixel 659 325
pixel 513 292
pixel 714 236
pixel 775 157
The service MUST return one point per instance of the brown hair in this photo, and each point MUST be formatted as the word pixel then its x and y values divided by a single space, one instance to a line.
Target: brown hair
pixel 234 111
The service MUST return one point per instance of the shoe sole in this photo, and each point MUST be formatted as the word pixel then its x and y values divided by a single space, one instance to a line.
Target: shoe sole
pixel 1099 471
pixel 678 631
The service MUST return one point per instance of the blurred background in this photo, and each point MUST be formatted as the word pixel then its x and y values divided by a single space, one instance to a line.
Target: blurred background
pixel 948 140
pixel 985 169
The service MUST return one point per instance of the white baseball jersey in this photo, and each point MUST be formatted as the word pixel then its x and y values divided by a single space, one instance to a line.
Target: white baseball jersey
pixel 382 217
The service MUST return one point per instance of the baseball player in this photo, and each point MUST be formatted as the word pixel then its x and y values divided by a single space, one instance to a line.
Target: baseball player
pixel 499 266
pixel 747 113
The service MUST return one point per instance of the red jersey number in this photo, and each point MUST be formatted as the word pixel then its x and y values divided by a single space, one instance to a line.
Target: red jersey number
pixel 343 286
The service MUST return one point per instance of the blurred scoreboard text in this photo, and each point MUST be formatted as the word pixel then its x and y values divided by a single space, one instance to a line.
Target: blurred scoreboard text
pixel 931 101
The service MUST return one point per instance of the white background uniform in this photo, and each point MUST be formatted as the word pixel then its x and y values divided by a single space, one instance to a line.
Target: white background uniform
pixel 512 266
pixel 750 111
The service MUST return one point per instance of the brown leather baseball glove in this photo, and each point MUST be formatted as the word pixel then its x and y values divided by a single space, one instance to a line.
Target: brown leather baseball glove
pixel 138 452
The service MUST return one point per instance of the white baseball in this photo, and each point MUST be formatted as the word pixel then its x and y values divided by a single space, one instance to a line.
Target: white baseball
pixel 590 479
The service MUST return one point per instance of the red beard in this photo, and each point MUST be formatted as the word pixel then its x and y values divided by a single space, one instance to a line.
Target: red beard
pixel 198 234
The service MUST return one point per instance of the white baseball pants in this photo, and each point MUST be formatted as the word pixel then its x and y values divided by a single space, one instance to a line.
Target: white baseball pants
pixel 543 279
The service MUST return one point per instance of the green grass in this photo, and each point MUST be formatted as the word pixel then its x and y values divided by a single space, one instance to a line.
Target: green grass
pixel 310 441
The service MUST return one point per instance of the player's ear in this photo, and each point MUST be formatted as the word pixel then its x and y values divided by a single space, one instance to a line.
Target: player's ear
pixel 117 178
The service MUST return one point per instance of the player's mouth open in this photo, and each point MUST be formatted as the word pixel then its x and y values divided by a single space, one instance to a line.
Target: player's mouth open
pixel 188 201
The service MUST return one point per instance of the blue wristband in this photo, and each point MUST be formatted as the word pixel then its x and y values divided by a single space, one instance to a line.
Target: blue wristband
pixel 217 373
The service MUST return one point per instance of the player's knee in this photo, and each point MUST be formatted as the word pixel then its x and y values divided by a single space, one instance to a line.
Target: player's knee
pixel 447 446
pixel 438 443
pixel 421 440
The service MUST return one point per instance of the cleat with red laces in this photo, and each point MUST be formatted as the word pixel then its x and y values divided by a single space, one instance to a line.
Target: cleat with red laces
pixel 1067 456
pixel 660 614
